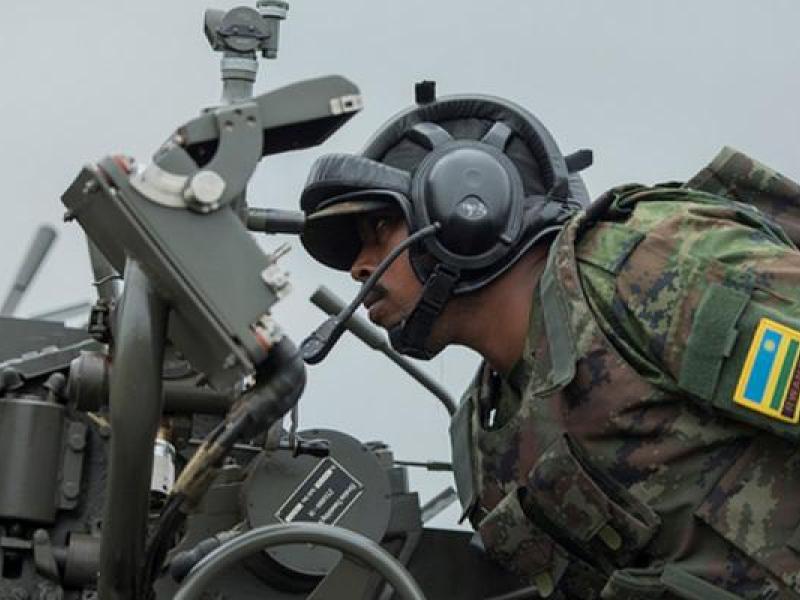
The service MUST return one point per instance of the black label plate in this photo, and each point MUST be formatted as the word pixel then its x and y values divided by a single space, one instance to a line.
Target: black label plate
pixel 325 495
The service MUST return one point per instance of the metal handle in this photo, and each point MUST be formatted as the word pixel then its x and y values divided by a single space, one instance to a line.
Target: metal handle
pixel 348 542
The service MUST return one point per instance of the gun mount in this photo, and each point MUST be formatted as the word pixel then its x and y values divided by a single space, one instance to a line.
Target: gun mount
pixel 161 468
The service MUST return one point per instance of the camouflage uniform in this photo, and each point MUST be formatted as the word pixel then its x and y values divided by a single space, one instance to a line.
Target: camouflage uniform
pixel 645 446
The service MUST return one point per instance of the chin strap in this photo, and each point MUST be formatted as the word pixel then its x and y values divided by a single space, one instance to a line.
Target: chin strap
pixel 411 335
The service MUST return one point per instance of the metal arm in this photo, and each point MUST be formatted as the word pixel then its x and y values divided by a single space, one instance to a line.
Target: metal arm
pixel 135 405
pixel 207 162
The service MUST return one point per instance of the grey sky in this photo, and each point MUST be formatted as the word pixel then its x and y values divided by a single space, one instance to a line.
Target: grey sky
pixel 655 88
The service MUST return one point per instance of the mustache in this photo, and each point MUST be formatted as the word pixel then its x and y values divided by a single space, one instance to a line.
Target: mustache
pixel 376 293
pixel 379 289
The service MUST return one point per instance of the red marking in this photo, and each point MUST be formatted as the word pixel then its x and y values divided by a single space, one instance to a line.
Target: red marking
pixel 123 162
pixel 262 341
pixel 789 408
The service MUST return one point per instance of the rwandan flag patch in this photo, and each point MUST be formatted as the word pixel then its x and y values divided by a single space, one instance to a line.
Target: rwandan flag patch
pixel 770 380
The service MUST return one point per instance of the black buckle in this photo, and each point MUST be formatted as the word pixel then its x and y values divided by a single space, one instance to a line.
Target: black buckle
pixel 438 288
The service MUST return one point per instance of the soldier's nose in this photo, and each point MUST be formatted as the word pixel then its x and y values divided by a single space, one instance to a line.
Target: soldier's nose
pixel 361 268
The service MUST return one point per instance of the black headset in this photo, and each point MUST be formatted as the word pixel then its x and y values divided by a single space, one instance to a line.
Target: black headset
pixel 466 202
pixel 473 189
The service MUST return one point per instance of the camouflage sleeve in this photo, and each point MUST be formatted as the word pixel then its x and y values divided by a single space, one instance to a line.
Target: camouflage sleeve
pixel 702 303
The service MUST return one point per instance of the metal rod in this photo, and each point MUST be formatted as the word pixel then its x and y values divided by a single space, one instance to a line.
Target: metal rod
pixel 275 220
pixel 239 72
pixel 76 309
pixel 34 257
pixel 135 400
pixel 106 278
pixel 333 305
pixel 431 465
pixel 438 503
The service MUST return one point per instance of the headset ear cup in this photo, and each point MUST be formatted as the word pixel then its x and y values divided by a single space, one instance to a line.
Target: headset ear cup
pixel 467 181
pixel 475 193
pixel 414 136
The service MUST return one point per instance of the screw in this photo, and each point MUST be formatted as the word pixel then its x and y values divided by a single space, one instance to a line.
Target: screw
pixel 77 442
pixel 70 489
pixel 40 536
pixel 90 187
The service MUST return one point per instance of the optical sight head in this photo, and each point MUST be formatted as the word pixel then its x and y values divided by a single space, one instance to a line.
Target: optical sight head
pixel 244 30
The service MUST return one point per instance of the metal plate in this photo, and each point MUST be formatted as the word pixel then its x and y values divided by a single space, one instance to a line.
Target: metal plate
pixel 349 488
pixel 324 496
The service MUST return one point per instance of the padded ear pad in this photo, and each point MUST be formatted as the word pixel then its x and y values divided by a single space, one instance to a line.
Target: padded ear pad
pixel 475 192
pixel 340 180
pixel 337 174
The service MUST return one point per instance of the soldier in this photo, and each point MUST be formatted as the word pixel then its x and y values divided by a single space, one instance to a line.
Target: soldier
pixel 632 430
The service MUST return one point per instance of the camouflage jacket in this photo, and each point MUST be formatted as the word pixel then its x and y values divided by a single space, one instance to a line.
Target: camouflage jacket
pixel 646 443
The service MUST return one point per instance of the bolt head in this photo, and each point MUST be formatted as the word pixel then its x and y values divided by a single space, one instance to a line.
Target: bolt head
pixel 90 187
pixel 77 442
pixel 70 490
pixel 205 191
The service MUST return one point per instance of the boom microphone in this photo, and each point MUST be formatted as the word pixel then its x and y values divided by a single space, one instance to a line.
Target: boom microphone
pixel 317 346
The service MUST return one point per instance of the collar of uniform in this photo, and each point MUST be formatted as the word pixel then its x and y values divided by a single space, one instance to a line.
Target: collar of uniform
pixel 522 370
pixel 552 301
pixel 530 365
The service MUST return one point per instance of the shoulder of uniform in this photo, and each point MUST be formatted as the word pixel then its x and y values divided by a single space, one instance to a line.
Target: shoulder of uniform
pixel 647 208
pixel 709 297
pixel 682 223
pixel 633 212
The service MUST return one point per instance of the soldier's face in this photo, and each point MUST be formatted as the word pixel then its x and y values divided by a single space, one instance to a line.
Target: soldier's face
pixel 398 290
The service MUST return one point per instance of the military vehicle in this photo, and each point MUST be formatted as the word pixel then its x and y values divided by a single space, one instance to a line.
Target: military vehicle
pixel 146 456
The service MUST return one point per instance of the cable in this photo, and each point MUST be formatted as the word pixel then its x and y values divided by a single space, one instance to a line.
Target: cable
pixel 278 387
pixel 317 346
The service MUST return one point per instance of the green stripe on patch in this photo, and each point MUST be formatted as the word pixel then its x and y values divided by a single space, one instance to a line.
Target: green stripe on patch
pixel 769 380
pixel 787 368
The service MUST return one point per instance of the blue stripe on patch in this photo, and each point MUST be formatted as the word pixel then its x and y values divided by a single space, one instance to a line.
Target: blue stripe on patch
pixel 762 366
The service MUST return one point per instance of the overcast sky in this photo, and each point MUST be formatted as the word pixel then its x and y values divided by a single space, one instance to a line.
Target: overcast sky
pixel 654 88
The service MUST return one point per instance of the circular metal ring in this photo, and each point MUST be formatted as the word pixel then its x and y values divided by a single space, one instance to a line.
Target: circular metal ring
pixel 348 542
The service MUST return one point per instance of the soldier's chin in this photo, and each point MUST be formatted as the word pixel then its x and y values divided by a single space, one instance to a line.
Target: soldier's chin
pixel 378 318
pixel 435 344
pixel 384 320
